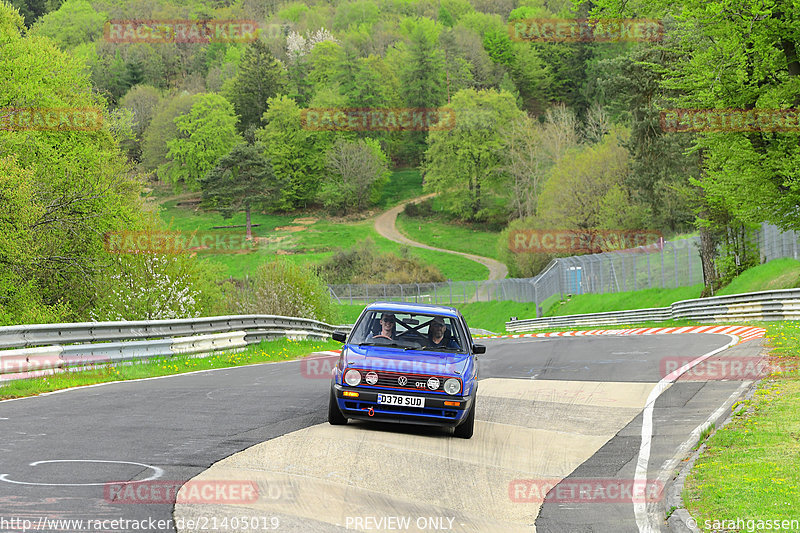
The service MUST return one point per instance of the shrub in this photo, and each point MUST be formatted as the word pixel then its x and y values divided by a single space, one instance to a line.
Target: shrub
pixel 286 289
pixel 155 287
pixel 365 264
pixel 419 209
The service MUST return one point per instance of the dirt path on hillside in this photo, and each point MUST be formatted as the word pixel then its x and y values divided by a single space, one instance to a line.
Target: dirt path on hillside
pixel 385 225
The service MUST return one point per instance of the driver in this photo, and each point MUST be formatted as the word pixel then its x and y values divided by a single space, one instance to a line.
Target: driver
pixel 388 328
pixel 438 336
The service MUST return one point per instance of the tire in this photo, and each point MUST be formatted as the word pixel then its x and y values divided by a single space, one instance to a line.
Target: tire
pixel 466 428
pixel 335 416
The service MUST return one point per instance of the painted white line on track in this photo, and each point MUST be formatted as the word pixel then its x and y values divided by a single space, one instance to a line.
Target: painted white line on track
pixel 83 387
pixel 640 477
pixel 670 464
pixel 157 472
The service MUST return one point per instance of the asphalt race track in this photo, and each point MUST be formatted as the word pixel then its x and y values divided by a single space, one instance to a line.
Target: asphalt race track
pixel 553 414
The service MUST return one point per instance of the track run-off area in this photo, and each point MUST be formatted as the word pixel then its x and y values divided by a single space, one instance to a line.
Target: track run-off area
pixel 576 431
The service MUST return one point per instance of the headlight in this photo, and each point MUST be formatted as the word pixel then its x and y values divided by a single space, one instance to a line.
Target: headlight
pixel 452 386
pixel 352 377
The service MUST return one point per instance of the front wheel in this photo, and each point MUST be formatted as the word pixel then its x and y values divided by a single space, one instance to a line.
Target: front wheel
pixel 466 428
pixel 335 416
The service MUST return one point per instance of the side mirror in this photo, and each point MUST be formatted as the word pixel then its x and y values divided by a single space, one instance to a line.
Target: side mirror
pixel 478 349
pixel 339 336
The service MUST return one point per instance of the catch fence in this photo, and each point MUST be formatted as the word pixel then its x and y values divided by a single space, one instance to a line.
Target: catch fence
pixel 668 264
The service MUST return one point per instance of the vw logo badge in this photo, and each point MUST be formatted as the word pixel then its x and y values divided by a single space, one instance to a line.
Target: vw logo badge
pixel 372 378
pixel 402 380
pixel 433 383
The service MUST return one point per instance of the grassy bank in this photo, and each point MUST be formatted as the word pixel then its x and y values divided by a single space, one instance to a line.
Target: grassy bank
pixel 778 274
pixel 621 301
pixel 435 231
pixel 750 469
pixel 264 352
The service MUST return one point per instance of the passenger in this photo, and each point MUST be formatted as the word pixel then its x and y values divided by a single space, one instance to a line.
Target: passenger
pixel 438 336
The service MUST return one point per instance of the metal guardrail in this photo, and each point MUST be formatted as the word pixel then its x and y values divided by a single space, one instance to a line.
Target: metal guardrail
pixel 781 304
pixel 45 334
pixel 40 349
pixel 592 319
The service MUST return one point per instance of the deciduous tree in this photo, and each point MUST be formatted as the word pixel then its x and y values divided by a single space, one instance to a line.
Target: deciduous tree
pixel 205 135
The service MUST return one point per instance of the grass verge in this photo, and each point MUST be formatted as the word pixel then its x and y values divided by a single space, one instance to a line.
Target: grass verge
pixel 749 473
pixel 264 352
pixel 622 301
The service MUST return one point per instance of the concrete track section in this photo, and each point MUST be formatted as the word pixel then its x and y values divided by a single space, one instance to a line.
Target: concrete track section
pixel 363 475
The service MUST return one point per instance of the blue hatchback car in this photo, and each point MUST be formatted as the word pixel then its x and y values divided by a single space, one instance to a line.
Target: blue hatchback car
pixel 409 363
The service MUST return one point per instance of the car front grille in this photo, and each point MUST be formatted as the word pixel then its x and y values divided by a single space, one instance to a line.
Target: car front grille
pixel 393 380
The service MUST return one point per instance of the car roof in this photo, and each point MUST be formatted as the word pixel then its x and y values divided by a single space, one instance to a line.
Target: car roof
pixel 409 307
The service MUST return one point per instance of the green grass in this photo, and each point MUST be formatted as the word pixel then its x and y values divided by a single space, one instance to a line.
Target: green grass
pixel 750 469
pixel 264 352
pixel 435 231
pixel 777 274
pixel 621 301
pixel 403 185
pixel 313 243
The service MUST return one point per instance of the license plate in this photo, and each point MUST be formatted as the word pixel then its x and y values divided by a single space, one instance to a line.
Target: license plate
pixel 404 401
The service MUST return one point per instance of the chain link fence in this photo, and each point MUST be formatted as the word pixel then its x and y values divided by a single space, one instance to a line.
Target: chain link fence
pixel 668 264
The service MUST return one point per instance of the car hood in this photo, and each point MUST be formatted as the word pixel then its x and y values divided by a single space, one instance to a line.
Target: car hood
pixel 410 362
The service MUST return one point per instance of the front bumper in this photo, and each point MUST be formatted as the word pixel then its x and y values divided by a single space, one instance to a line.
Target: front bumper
pixel 435 412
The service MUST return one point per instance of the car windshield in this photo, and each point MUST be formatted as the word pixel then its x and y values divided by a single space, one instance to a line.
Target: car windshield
pixel 409 331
